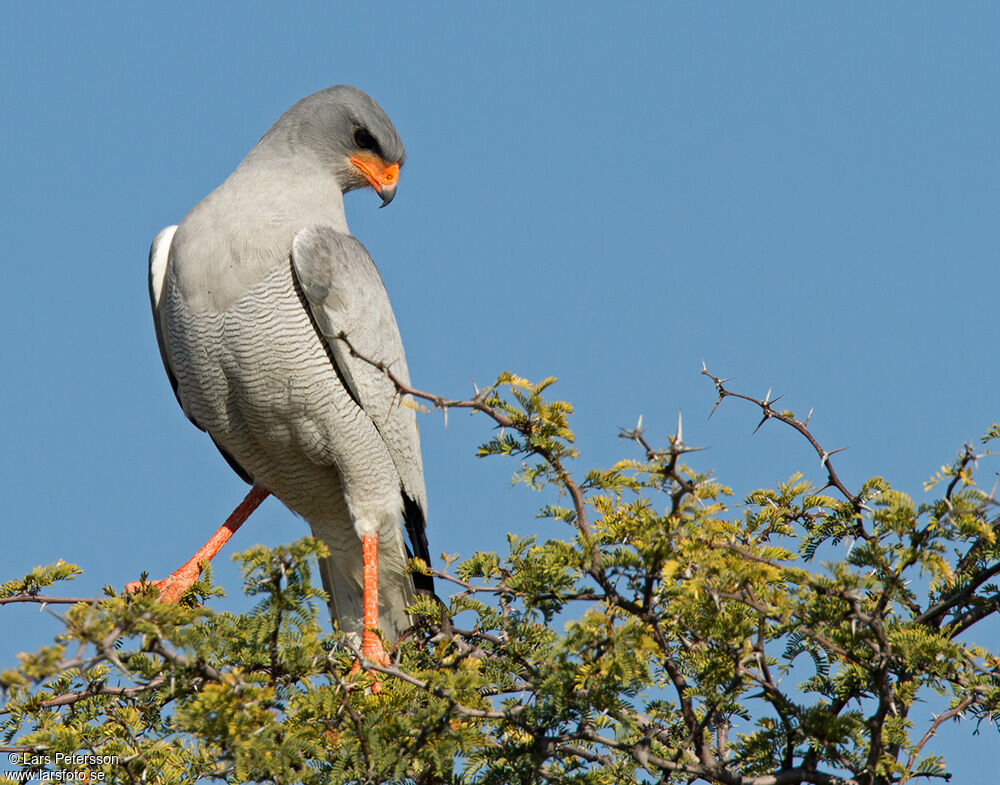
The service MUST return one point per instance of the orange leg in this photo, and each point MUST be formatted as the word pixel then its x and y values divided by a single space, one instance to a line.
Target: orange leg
pixel 180 580
pixel 371 646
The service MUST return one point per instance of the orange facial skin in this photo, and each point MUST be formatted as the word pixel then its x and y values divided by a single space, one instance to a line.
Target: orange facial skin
pixel 382 176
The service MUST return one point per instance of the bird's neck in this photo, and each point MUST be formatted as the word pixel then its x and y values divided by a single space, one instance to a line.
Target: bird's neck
pixel 289 192
pixel 244 229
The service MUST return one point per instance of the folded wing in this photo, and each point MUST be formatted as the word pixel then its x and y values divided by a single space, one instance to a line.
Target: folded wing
pixel 351 310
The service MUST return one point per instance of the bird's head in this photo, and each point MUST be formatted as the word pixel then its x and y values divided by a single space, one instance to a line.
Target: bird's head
pixel 352 135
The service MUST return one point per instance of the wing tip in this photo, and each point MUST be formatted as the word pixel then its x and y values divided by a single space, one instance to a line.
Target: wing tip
pixel 415 522
pixel 159 253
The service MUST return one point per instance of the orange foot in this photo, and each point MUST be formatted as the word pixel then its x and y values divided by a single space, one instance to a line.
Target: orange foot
pixel 172 587
pixel 373 651
pixel 180 580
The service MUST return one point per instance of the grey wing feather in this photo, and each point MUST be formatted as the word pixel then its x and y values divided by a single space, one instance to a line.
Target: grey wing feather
pixel 347 297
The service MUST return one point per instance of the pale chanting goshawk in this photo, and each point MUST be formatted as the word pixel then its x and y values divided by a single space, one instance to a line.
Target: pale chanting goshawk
pixel 272 322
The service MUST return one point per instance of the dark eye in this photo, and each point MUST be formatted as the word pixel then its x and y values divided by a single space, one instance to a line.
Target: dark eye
pixel 364 140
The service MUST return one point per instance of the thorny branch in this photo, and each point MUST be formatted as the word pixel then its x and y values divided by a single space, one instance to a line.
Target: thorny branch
pixel 766 405
pixel 939 720
pixel 43 600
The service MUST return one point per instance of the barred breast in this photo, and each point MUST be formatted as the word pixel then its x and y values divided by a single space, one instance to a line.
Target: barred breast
pixel 259 379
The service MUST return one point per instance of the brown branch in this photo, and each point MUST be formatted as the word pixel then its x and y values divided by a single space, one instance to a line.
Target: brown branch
pixel 710 773
pixel 477 402
pixel 180 661
pixel 770 413
pixel 877 721
pixel 938 722
pixel 69 698
pixel 682 485
pixel 968 456
pixel 958 597
pixel 42 600
pixel 784 707
pixel 798 775
pixel 960 624
pixel 640 754
pixel 440 692
pixel 977 546
pixel 681 687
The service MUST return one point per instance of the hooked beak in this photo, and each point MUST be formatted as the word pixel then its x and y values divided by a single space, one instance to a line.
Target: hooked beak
pixel 383 177
pixel 387 194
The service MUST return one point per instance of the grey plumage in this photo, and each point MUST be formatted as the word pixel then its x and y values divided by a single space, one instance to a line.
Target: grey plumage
pixel 250 293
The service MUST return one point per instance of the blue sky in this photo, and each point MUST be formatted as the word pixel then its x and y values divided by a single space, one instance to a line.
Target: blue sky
pixel 805 197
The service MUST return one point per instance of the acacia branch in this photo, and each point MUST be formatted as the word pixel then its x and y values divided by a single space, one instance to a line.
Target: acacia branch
pixel 43 600
pixel 938 722
pixel 93 691
pixel 477 402
pixel 440 692
pixel 960 624
pixel 958 597
pixel 770 412
pixel 714 772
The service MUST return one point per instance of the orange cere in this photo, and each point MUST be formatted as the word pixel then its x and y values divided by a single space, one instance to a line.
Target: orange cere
pixel 380 174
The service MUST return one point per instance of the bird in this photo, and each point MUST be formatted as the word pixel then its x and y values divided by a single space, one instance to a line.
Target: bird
pixel 276 332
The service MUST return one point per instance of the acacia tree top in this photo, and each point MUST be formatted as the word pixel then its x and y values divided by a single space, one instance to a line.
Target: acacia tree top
pixel 705 642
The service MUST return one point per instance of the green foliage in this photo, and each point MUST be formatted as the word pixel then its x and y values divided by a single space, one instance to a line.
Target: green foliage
pixel 39 578
pixel 670 636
